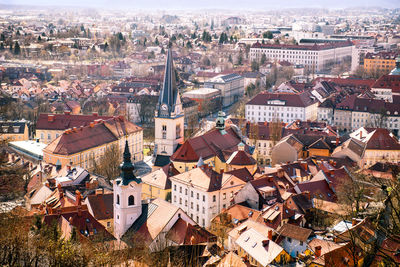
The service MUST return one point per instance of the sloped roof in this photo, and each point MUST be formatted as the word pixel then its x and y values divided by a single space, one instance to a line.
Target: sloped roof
pixel 303 99
pixel 241 158
pixel 87 137
pixel 382 139
pixel 213 143
pixel 102 206
pixel 155 216
pixel 265 252
pixel 203 178
pixel 65 121
pixel 295 232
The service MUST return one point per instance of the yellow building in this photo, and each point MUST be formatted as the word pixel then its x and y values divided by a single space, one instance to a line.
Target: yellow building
pixel 157 184
pixel 382 61
pixel 14 131
pixel 81 146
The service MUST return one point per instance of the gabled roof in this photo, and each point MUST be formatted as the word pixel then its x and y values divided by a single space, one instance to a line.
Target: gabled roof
pixel 295 232
pixel 184 233
pixel 258 246
pixel 211 144
pixel 381 139
pixel 153 220
pixel 203 178
pixel 241 158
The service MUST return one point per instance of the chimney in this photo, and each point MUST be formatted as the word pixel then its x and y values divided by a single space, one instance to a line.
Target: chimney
pixel 270 234
pixel 318 251
pixel 60 191
pixel 66 112
pixel 361 136
pixel 87 185
pixel 50 117
pixel 78 198
pixel 265 244
pixel 221 171
pixel 304 165
pixel 353 222
pixel 99 191
pixel 69 167
pixel 74 129
pixel 91 124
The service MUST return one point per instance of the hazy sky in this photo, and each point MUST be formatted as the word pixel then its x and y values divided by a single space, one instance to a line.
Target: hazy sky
pixel 191 4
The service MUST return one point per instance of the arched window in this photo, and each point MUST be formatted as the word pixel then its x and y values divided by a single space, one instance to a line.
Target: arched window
pixel 118 199
pixel 131 200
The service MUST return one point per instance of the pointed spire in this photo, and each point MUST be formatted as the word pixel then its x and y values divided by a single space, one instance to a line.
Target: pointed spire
pixel 127 167
pixel 169 92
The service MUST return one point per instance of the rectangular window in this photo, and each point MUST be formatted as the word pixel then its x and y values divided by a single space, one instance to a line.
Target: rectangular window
pixel 214 198
pixel 204 198
pixel 198 196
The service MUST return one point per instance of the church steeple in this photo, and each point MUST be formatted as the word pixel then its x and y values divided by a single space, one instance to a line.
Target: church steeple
pixel 169 116
pixel 169 97
pixel 127 168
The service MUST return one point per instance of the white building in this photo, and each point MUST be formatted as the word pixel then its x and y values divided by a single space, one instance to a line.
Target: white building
pixel 202 193
pixel 315 57
pixel 231 87
pixel 285 107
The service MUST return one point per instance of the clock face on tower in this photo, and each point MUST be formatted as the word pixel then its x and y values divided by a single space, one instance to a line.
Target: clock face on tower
pixel 164 107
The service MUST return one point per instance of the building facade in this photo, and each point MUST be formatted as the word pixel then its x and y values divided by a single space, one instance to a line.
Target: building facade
pixel 315 57
pixel 285 107
pixel 231 87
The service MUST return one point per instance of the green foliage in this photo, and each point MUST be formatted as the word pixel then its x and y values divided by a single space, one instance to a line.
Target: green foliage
pixel 268 35
pixel 255 66
pixel 223 38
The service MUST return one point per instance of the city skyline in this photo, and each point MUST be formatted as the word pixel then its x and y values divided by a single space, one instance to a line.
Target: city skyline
pixel 223 4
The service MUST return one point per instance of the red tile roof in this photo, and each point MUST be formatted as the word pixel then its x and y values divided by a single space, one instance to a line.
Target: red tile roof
pixel 65 121
pixel 83 138
pixel 303 47
pixel 382 139
pixel 389 82
pixel 101 205
pixel 210 144
pixel 303 99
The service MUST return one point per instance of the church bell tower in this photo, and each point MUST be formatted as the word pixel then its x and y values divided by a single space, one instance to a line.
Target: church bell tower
pixel 127 196
pixel 169 114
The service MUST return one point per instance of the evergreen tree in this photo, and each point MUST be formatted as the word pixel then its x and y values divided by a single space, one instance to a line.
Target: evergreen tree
pixel 156 42
pixel 189 44
pixel 105 47
pixel 39 39
pixel 1 46
pixel 162 51
pixel 17 48
pixel 2 37
pixel 120 36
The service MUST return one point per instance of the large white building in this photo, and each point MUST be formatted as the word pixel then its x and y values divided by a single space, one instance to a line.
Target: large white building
pixel 315 57
pixel 285 107
pixel 203 193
